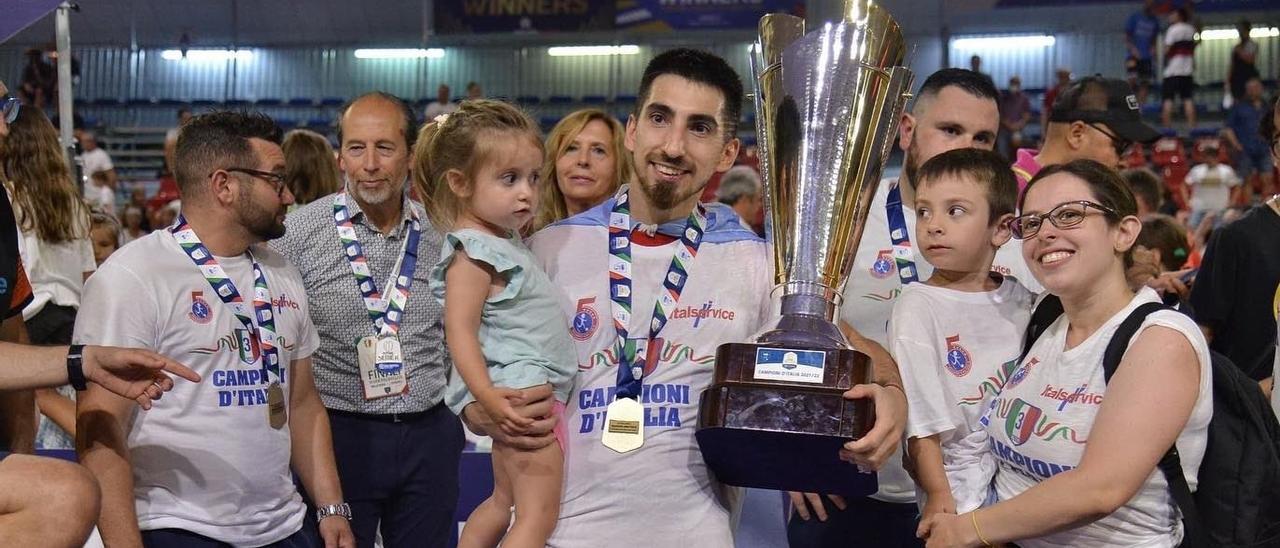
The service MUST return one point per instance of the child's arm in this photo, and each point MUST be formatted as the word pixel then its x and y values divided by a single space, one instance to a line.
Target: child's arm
pixel 467 285
pixel 60 409
pixel 926 452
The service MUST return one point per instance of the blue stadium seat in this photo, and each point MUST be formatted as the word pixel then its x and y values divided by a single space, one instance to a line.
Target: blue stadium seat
pixel 548 122
pixel 1151 109
pixel 105 102
pixel 136 102
pixel 594 99
pixel 172 102
pixel 302 102
pixel 236 103
pixel 323 123
pixel 1205 132
pixel 528 100
pixel 627 100
pixel 559 99
pixel 270 102
pixel 332 102
pixel 203 102
pixel 286 123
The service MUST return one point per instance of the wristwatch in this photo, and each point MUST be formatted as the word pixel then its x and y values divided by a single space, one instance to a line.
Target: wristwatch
pixel 341 509
pixel 75 367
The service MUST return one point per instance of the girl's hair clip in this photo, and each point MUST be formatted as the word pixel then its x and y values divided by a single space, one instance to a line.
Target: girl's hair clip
pixel 440 119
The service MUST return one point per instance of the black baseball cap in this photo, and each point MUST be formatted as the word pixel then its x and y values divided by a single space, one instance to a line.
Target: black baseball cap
pixel 1106 101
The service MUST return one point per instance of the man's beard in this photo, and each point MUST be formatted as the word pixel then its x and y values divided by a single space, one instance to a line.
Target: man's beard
pixel 264 225
pixel 663 196
pixel 911 164
pixel 370 196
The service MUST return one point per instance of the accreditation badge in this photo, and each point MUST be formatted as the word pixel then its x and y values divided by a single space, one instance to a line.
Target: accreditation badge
pixel 624 425
pixel 378 378
pixel 277 407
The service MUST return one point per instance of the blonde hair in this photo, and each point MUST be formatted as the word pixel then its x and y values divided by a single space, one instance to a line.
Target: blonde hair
pixel 552 206
pixel 453 142
pixel 311 169
pixel 48 201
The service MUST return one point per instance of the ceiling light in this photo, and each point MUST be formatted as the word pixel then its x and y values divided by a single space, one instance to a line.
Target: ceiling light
pixel 1231 34
pixel 208 55
pixel 416 53
pixel 579 51
pixel 1001 42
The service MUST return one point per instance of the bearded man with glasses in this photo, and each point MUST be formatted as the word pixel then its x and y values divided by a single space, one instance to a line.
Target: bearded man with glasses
pixel 1095 118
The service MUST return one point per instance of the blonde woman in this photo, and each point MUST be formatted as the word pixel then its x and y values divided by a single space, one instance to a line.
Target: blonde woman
pixel 586 162
pixel 310 166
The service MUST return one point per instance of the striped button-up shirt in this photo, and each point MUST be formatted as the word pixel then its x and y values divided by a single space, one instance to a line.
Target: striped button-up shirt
pixel 339 313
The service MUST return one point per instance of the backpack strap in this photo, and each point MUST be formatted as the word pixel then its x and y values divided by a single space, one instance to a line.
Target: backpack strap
pixel 1170 464
pixel 1045 313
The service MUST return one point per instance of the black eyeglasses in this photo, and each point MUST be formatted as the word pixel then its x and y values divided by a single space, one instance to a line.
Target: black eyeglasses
pixel 9 106
pixel 275 179
pixel 1064 215
pixel 1118 143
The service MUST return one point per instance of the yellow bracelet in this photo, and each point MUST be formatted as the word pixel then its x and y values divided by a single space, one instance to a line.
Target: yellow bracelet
pixel 973 516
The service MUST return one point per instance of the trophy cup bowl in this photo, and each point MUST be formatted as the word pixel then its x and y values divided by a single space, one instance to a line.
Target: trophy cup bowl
pixel 827 107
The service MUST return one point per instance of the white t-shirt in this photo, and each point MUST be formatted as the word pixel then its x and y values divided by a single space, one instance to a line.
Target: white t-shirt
pixel 102 196
pixel 1211 186
pixel 873 286
pixel 662 492
pixel 56 271
pixel 436 108
pixel 204 458
pixel 1179 65
pixel 1040 424
pixel 954 350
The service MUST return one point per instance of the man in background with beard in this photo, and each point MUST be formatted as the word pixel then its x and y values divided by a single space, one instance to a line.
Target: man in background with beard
pixel 365 253
pixel 215 464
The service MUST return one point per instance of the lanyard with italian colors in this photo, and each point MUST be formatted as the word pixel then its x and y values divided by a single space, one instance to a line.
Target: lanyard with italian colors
pixel 386 313
pixel 631 357
pixel 903 255
pixel 265 330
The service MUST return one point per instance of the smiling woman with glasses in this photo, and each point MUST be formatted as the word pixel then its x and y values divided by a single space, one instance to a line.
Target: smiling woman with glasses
pixel 1101 444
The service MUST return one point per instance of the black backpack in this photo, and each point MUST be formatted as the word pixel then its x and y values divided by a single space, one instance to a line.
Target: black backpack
pixel 1237 501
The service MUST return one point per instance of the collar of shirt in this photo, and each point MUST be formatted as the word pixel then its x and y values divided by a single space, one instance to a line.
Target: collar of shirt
pixel 358 216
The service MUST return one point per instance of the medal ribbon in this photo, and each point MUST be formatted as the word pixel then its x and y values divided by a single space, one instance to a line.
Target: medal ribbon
pixel 386 312
pixel 631 357
pixel 903 254
pixel 264 333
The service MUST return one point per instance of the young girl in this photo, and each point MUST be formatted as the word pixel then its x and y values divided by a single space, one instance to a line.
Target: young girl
pixel 478 174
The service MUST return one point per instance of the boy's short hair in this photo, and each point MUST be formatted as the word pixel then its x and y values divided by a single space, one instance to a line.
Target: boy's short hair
pixel 985 167
pixel 1166 234
pixel 1145 184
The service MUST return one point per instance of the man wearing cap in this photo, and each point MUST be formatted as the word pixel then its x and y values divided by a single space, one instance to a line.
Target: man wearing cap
pixel 1095 118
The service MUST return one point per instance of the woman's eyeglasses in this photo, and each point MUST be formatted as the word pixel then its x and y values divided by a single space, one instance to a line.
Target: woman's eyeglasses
pixel 1063 216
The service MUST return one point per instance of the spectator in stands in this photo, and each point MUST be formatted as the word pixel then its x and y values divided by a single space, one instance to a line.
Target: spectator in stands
pixel 1179 65
pixel 586 163
pixel 975 64
pixel 1063 75
pixel 1253 156
pixel 104 232
pixel 1140 33
pixel 442 105
pixel 1078 227
pixel 311 169
pixel 1146 188
pixel 1015 114
pixel 1244 58
pixel 741 190
pixel 1165 236
pixel 171 138
pixel 39 80
pixel 474 91
pixel 164 215
pixel 99 190
pixel 1238 276
pixel 133 226
pixel 1095 118
pixel 1213 185
pixel 54 225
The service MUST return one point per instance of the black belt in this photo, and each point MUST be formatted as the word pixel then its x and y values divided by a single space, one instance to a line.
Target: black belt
pixel 387 417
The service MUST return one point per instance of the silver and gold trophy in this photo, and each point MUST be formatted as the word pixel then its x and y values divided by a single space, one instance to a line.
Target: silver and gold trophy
pixel 827 109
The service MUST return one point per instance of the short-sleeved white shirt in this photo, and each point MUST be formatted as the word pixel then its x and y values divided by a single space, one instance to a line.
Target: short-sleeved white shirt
pixel 954 349
pixel 204 458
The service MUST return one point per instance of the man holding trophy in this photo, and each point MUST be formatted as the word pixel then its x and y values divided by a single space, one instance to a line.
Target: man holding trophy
pixel 632 467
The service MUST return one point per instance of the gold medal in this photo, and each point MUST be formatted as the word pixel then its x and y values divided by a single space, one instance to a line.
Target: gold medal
pixel 623 425
pixel 277 407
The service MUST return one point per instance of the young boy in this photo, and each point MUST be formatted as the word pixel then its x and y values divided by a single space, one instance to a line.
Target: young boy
pixel 955 334
pixel 104 230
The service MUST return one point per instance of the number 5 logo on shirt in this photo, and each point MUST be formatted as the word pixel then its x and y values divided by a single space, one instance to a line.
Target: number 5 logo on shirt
pixel 585 320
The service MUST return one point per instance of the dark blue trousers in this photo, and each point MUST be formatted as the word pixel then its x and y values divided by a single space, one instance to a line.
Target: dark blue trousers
pixel 864 523
pixel 400 471
pixel 307 537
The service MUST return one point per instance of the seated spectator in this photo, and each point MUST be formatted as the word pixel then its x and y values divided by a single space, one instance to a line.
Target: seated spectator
pixel 740 189
pixel 1015 114
pixel 586 163
pixel 311 169
pixel 442 104
pixel 1212 186
pixel 134 225
pixel 1252 155
pixel 1146 187
pixel 171 138
pixel 100 188
pixel 39 80
pixel 1078 227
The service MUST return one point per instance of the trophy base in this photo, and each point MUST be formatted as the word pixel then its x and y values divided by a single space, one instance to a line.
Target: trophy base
pixel 775 417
